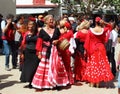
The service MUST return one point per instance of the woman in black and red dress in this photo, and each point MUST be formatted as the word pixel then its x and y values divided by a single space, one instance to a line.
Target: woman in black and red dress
pixel 31 60
pixel 51 71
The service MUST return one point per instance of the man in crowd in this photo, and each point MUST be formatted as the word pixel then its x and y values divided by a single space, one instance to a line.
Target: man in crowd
pixel 8 30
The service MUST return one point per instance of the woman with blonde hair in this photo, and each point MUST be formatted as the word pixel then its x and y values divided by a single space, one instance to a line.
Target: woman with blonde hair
pixel 83 25
pixel 67 34
pixel 80 55
pixel 51 72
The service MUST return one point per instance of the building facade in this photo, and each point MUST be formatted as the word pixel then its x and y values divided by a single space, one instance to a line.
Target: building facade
pixel 33 6
pixel 7 6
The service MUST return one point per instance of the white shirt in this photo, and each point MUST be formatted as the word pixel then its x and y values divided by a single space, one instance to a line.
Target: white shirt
pixel 113 36
pixel 3 24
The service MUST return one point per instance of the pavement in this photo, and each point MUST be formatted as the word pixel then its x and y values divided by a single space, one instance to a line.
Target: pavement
pixel 10 83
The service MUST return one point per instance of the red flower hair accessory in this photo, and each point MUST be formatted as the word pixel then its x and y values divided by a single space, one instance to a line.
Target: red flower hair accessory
pixel 67 25
pixel 97 19
pixel 32 19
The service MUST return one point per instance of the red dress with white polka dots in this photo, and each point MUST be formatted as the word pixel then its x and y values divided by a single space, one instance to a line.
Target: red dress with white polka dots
pixel 97 67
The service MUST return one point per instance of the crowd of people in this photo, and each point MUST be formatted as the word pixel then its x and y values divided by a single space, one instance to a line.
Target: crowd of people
pixel 51 54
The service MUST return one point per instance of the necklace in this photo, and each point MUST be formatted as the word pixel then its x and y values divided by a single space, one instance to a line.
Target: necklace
pixel 49 30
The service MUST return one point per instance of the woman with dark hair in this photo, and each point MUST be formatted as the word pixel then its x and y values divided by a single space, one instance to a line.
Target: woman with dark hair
pixel 97 67
pixel 31 60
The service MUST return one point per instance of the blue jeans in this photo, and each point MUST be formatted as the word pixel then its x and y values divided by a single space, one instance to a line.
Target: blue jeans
pixel 10 48
pixel 6 51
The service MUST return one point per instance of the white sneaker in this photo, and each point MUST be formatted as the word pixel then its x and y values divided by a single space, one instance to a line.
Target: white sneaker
pixel 7 69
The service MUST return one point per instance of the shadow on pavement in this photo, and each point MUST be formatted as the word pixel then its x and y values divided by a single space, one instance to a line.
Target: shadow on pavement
pixel 5 76
pixel 63 87
pixel 107 85
pixel 5 83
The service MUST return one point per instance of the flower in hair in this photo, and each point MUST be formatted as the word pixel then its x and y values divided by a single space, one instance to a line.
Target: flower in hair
pixel 97 19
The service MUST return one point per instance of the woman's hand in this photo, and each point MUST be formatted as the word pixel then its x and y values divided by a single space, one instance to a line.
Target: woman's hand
pixel 30 33
pixel 102 21
pixel 9 21
pixel 39 55
pixel 55 42
pixel 22 56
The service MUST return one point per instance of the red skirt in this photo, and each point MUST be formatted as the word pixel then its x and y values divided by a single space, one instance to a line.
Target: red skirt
pixel 50 72
pixel 97 67
pixel 79 66
pixel 66 57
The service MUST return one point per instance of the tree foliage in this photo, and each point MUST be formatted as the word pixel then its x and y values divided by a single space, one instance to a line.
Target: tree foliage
pixel 88 6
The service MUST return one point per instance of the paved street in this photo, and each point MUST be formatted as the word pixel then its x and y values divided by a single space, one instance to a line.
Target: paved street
pixel 10 84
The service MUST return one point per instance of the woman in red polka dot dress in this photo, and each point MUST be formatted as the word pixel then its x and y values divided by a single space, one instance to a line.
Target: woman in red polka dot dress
pixel 97 68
